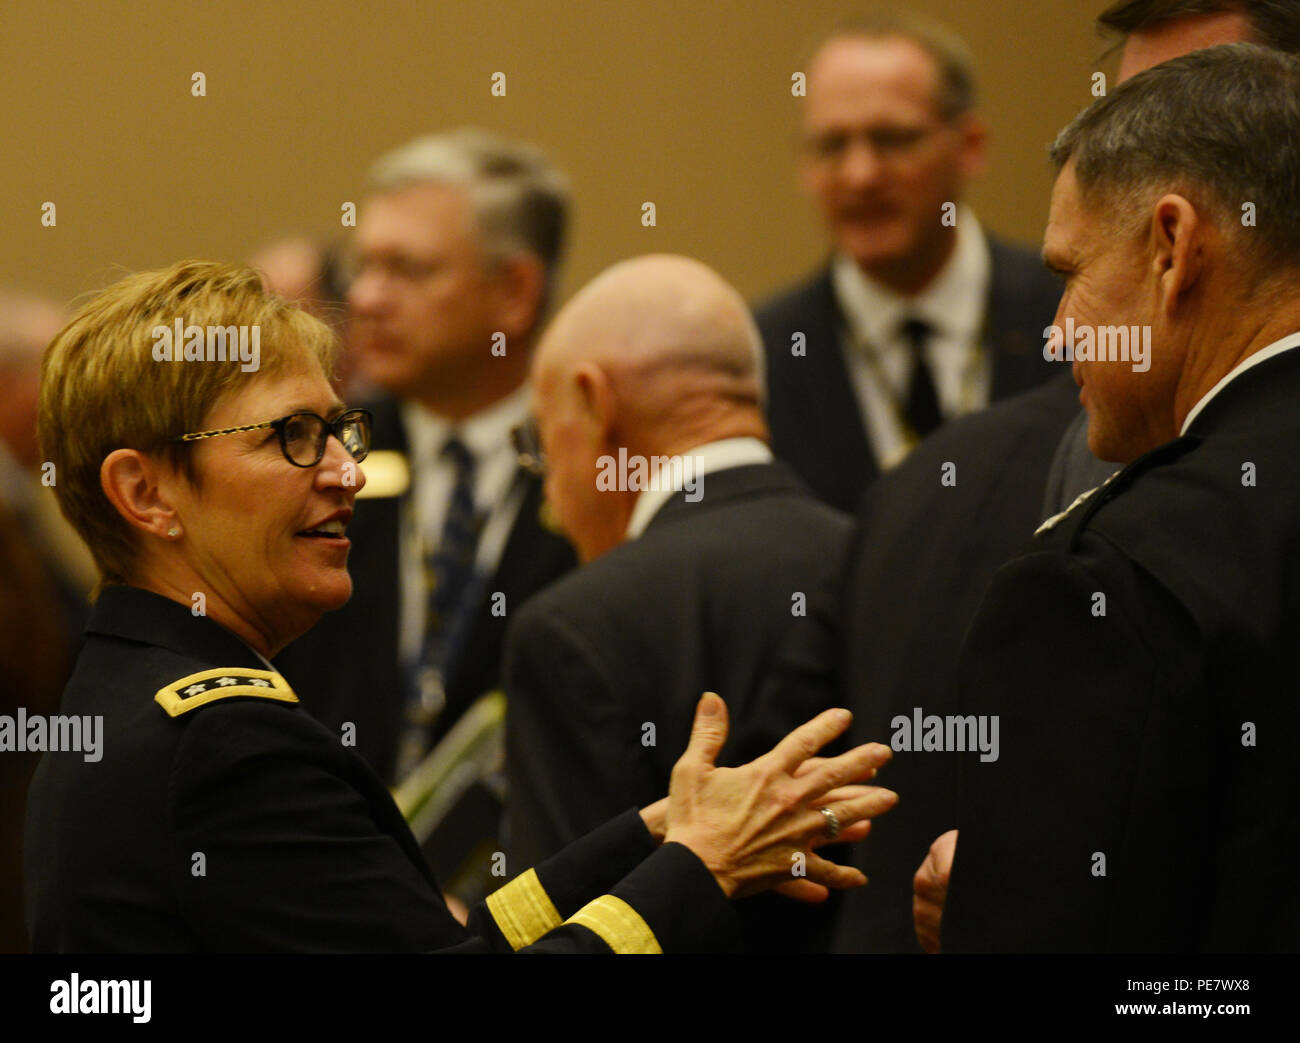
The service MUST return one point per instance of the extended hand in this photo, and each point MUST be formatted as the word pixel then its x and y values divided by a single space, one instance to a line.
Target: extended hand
pixel 754 824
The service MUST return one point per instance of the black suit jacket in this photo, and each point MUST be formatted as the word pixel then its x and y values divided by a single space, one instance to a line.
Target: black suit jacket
pixel 1074 469
pixel 1140 655
pixel 604 669
pixel 813 411
pixel 220 817
pixel 922 556
pixel 348 666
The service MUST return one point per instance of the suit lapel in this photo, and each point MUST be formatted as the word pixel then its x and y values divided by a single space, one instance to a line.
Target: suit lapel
pixel 532 557
pixel 829 402
pixel 1018 309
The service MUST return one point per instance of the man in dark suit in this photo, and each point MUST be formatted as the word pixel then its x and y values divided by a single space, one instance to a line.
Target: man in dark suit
pixel 931 535
pixel 457 243
pixel 708 566
pixel 919 317
pixel 1138 654
pixel 1003 487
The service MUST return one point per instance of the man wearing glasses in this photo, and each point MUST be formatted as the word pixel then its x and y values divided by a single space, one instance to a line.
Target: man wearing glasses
pixel 451 271
pixel 918 317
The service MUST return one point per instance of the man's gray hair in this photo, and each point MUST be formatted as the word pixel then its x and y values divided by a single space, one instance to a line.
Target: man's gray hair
pixel 520 199
pixel 1220 126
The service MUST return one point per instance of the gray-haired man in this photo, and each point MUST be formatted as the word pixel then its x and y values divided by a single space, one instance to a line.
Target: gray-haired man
pixel 1139 652
pixel 458 241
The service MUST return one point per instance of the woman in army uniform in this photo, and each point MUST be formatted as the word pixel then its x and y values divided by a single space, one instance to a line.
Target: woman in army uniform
pixel 215 497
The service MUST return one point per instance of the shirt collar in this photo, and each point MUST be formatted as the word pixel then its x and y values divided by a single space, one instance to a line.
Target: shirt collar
pixel 710 457
pixel 1287 343
pixel 953 303
pixel 487 431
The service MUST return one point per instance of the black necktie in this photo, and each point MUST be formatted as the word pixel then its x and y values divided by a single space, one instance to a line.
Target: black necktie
pixel 922 398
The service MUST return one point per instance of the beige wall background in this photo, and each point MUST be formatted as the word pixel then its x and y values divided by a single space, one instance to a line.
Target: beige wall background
pixel 685 103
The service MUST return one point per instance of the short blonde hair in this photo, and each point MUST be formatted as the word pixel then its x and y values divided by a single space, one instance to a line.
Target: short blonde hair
pixel 102 389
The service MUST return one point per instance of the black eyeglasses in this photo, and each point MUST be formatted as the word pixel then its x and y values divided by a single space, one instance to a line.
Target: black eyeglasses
pixel 527 440
pixel 303 435
pixel 889 143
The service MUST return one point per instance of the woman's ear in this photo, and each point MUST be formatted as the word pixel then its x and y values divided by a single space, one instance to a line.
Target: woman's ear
pixel 135 486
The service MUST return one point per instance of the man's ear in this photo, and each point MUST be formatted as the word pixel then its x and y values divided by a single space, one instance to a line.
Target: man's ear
pixel 137 489
pixel 521 287
pixel 973 148
pixel 596 399
pixel 807 177
pixel 1178 237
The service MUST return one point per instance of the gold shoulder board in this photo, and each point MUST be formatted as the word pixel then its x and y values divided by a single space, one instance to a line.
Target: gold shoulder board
pixel 207 686
pixel 387 475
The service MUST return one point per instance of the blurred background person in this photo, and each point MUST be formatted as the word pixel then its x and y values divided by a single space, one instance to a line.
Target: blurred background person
pixel 45 576
pixel 27 322
pixel 454 263
pixel 308 272
pixel 919 316
pixel 34 661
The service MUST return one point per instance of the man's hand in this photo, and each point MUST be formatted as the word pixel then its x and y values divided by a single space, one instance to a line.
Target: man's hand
pixel 930 891
pixel 753 825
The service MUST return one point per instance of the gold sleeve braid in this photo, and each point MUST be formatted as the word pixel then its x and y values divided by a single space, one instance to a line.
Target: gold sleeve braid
pixel 618 925
pixel 523 911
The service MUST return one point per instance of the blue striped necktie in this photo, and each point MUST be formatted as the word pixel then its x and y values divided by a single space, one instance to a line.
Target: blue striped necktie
pixel 452 587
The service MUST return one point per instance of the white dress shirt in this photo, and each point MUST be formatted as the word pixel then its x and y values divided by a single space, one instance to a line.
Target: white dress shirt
pixel 880 357
pixel 498 492
pixel 1287 343
pixel 709 458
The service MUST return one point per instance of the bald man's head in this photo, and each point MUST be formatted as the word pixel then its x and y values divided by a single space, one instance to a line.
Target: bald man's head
pixel 658 314
pixel 655 356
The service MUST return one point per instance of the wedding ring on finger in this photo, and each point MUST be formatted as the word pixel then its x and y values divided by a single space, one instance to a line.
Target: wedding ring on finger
pixel 832 823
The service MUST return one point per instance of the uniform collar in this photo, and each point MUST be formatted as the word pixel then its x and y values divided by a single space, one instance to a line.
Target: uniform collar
pixel 151 619
pixel 1288 343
